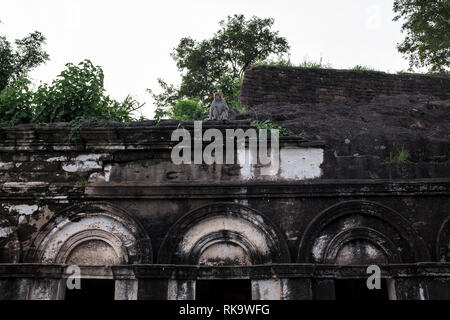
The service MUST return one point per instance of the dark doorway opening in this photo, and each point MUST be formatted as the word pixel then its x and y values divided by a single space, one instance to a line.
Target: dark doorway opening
pixel 95 289
pixel 235 290
pixel 356 289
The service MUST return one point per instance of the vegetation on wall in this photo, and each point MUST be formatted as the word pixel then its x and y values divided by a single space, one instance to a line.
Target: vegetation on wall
pixel 402 156
pixel 76 95
pixel 218 63
pixel 16 103
pixel 269 125
pixel 319 64
pixel 207 66
pixel 185 110
pixel 287 63
pixel 366 69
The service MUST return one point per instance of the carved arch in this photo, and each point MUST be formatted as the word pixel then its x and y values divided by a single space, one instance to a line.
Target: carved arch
pixel 101 222
pixel 382 227
pixel 229 223
pixel 372 236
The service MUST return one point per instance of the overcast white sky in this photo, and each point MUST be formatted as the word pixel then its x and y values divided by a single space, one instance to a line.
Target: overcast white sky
pixel 132 39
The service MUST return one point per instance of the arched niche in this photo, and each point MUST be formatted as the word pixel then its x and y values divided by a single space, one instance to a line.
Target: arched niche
pixel 93 247
pixel 361 232
pixel 223 234
pixel 443 242
pixel 92 234
pixel 360 245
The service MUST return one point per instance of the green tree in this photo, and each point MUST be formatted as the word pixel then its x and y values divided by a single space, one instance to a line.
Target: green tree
pixel 16 62
pixel 185 110
pixel 218 63
pixel 76 95
pixel 427 27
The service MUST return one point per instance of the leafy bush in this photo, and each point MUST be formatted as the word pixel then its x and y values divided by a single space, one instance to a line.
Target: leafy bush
pixel 268 125
pixel 440 73
pixel 186 110
pixel 305 64
pixel 16 103
pixel 78 94
pixel 401 157
pixel 277 63
pixel 366 69
pixel 311 64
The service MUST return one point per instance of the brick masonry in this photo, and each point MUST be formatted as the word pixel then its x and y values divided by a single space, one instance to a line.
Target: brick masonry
pixel 294 85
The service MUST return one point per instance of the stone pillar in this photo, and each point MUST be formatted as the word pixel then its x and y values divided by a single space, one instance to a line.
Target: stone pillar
pixel 392 293
pixel 15 288
pixel 438 288
pixel 269 289
pixel 126 289
pixel 324 289
pixel 410 289
pixel 296 289
pixel 152 289
pixel 45 289
pixel 181 290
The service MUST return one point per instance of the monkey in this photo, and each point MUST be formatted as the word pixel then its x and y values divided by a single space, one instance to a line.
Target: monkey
pixel 219 108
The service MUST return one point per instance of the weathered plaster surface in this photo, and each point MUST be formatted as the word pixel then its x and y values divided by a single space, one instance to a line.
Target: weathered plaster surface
pixel 126 289
pixel 181 290
pixel 224 254
pixel 66 229
pixel 5 232
pixel 81 166
pixel 299 164
pixel 56 159
pixel 293 164
pixel 219 223
pixel 266 289
pixel 23 209
pixel 93 252
pixel 131 169
pixel 6 165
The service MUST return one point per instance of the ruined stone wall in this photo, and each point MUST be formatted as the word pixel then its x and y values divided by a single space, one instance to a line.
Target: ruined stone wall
pixel 363 118
pixel 295 85
pixel 112 201
pixel 116 185
pixel 43 174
